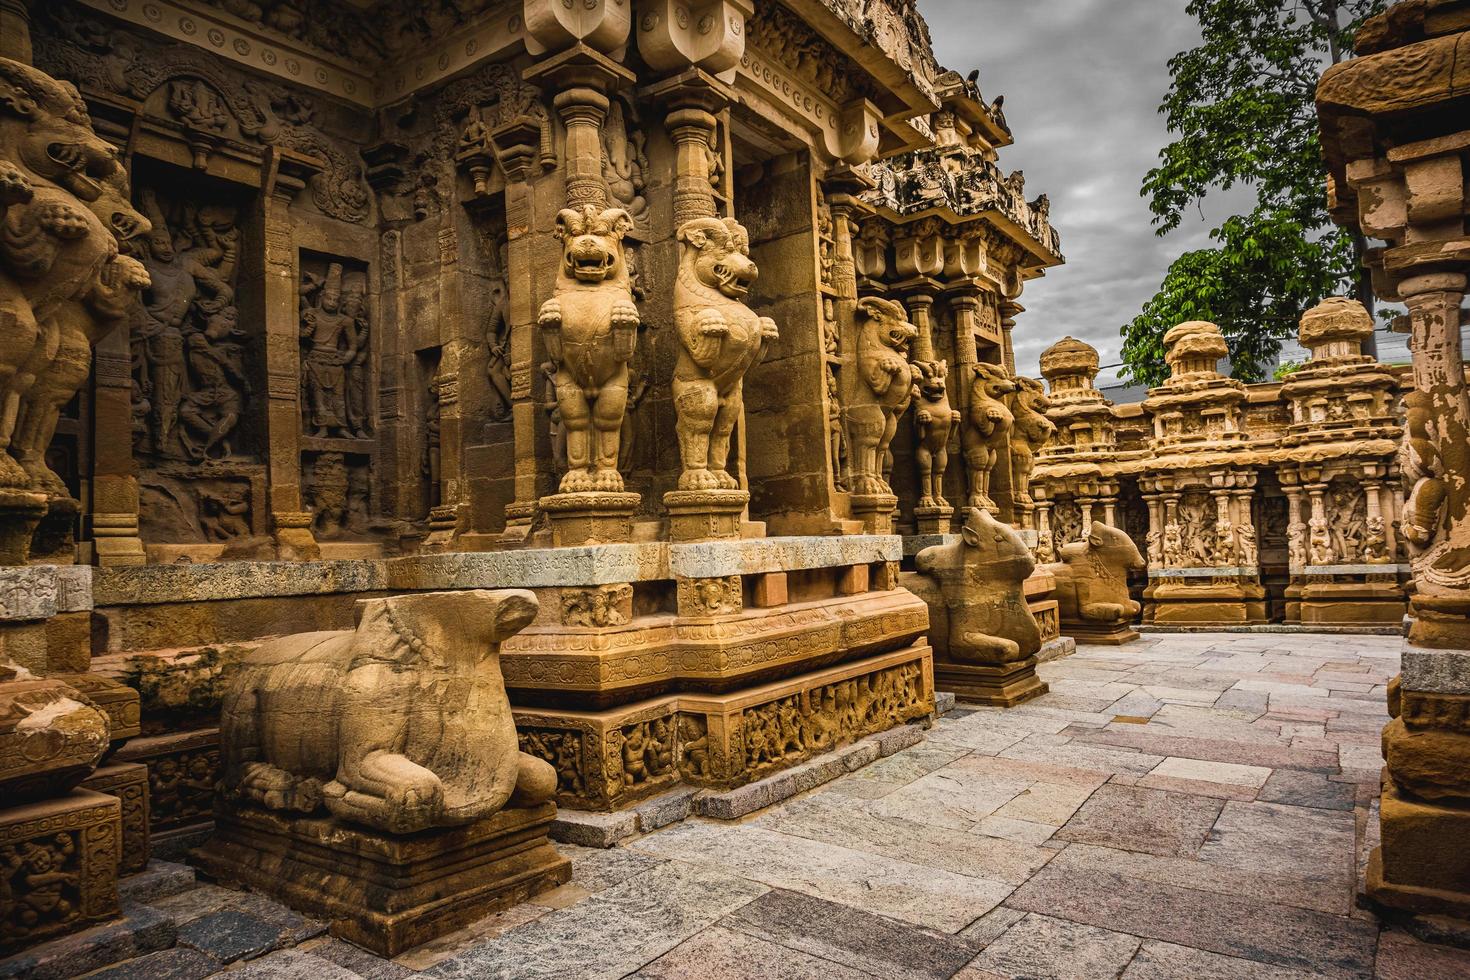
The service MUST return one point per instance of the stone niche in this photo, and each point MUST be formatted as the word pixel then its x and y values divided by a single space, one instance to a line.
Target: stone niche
pixel 197 346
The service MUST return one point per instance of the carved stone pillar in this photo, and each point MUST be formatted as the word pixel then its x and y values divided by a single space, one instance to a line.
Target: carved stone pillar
pixel 1009 310
pixel 1085 506
pixel 15 31
pixel 692 128
pixel 277 286
pixel 114 505
pixel 1154 541
pixel 1172 556
pixel 518 148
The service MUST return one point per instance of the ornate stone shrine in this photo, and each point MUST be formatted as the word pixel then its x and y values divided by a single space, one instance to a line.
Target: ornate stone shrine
pixel 324 307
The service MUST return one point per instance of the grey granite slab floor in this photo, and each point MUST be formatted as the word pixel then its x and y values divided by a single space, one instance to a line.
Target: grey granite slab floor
pixel 1186 805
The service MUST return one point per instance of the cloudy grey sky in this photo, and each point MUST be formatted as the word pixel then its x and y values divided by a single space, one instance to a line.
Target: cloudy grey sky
pixel 1082 81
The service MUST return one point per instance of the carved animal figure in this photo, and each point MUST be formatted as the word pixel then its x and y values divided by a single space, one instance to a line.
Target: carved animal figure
pixel 63 201
pixel 401 724
pixel 720 339
pixel 1296 544
pixel 979 579
pixel 1030 431
pixel 987 429
pixel 885 387
pixel 934 420
pixel 591 327
pixel 1247 553
pixel 1420 465
pixel 1092 577
pixel 1320 542
pixel 1173 545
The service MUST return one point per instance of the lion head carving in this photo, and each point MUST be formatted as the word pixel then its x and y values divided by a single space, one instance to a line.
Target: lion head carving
pixel 592 249
pixel 719 251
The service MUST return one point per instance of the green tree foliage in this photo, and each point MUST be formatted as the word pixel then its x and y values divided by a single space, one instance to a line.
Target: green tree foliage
pixel 1241 108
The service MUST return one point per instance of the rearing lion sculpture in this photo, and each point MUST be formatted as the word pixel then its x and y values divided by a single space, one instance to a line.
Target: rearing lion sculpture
pixel 884 390
pixel 986 433
pixel 591 327
pixel 63 206
pixel 720 339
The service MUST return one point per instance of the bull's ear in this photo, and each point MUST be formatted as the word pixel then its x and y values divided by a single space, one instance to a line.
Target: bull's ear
pixel 970 535
pixel 1095 536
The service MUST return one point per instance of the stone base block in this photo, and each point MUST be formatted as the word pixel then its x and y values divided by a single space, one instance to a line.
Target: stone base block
pixel 60 874
pixel 590 518
pixel 20 512
pixel 1000 685
pixel 1062 646
pixel 128 781
pixel 182 770
pixel 386 893
pixel 705 515
pixel 116 699
pixel 1351 604
pixel 933 520
pixel 610 760
pixel 1422 865
pixel 1222 603
pixel 875 510
pixel 1100 634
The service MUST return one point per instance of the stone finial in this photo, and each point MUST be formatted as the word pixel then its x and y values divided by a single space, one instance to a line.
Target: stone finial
pixel 1193 348
pixel 1335 329
pixel 1069 364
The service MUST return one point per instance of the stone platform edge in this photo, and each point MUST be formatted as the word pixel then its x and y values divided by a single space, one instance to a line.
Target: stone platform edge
pixel 603 830
pixel 529 568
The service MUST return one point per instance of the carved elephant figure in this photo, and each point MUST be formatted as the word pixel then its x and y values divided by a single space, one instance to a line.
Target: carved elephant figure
pixel 976 594
pixel 591 327
pixel 720 339
pixel 401 724
pixel 1092 577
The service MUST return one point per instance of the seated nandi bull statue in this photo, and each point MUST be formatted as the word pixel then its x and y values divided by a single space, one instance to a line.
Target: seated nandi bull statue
pixel 590 327
pixel 984 635
pixel 720 339
pixel 1092 586
pixel 401 724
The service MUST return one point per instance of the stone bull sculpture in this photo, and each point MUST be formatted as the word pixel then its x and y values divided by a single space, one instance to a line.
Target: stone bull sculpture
pixel 1092 586
pixel 401 724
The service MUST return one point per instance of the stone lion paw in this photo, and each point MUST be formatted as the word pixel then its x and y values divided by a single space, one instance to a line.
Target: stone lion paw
pixel 15 188
pixel 698 480
pixel 577 481
pixel 711 323
pixel 550 316
pixel 726 481
pixel 624 315
pixel 63 221
pixel 768 329
pixel 924 416
pixel 607 480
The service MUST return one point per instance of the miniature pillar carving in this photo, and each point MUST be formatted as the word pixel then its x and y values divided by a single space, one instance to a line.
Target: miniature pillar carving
pixel 692 130
pixel 583 110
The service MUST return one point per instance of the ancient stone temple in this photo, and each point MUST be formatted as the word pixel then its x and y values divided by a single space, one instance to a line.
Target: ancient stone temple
pixel 1274 502
pixel 1394 126
pixel 322 316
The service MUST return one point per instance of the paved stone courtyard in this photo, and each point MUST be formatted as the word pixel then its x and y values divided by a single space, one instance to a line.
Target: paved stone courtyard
pixel 1182 806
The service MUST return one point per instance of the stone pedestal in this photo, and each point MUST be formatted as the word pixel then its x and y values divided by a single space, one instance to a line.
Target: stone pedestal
pixel 128 781
pixel 1351 595
pixel 20 512
pixel 61 872
pixel 933 520
pixel 998 685
pixel 590 518
pixel 875 510
pixel 1422 866
pixel 383 892
pixel 1220 597
pixel 54 540
pixel 705 515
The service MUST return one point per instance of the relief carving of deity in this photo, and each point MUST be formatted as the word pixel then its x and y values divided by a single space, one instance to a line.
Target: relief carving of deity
pixel 334 332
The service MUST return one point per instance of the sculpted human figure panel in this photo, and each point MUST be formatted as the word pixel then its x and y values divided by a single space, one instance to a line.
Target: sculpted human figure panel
pixel 401 724
pixel 886 385
pixel 720 339
pixel 591 326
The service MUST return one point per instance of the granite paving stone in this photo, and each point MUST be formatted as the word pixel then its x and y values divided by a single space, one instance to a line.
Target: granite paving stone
pixel 719 954
pixel 230 935
pixel 1305 842
pixel 611 934
pixel 899 889
pixel 291 964
pixel 179 963
pixel 1166 961
pixel 1212 772
pixel 1148 820
pixel 873 944
pixel 1045 948
pixel 1278 935
pixel 1402 957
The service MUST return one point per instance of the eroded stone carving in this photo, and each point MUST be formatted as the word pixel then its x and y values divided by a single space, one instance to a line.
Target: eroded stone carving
pixel 885 386
pixel 591 327
pixel 334 333
pixel 720 339
pixel 934 420
pixel 980 578
pixel 1031 430
pixel 986 429
pixel 1092 584
pixel 401 724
